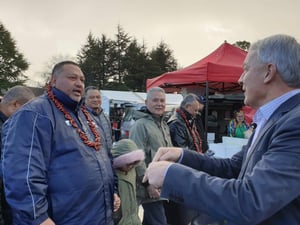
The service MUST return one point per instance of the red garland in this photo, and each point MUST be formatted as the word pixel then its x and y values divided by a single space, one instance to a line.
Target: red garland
pixel 195 134
pixel 96 144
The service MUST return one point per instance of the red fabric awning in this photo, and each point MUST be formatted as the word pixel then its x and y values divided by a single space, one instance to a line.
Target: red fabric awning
pixel 222 69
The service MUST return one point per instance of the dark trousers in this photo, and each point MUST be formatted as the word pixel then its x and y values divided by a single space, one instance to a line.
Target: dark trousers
pixel 178 214
pixel 154 213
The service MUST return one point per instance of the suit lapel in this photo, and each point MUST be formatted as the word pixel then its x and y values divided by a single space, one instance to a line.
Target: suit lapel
pixel 283 109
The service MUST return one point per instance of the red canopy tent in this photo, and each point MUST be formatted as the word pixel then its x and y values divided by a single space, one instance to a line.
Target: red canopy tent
pixel 219 71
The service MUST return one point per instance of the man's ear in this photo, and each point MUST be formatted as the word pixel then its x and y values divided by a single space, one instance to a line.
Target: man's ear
pixel 271 73
pixel 53 81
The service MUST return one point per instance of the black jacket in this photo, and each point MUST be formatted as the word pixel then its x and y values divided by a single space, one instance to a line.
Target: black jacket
pixel 180 133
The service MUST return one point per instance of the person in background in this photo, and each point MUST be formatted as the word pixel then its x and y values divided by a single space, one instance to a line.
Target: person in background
pixel 260 184
pixel 126 157
pixel 93 101
pixel 149 132
pixel 199 124
pixel 55 169
pixel 13 99
pixel 185 127
pixel 238 126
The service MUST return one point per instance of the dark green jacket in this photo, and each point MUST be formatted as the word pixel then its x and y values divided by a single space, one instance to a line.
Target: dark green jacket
pixel 149 133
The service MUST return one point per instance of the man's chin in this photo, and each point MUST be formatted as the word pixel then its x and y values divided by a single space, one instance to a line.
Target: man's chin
pixel 76 98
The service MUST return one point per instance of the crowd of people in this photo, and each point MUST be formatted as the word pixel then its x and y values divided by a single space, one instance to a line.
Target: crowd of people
pixel 59 165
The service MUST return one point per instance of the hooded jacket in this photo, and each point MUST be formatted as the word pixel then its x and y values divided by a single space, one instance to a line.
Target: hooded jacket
pixel 126 152
pixel 149 132
pixel 48 170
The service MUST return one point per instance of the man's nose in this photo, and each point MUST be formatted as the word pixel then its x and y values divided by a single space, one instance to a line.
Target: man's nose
pixel 240 81
pixel 79 82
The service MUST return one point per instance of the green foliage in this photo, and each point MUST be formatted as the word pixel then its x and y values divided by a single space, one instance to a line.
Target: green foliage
pixel 120 53
pixel 245 45
pixel 136 63
pixel 162 59
pixel 94 59
pixel 12 62
pixel 122 64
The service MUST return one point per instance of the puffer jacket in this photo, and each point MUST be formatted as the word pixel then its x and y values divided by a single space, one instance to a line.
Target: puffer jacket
pixel 49 172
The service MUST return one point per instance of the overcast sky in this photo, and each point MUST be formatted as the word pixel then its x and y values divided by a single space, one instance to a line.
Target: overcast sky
pixel 192 28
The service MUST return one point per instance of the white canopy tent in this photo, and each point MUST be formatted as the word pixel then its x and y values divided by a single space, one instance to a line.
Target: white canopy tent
pixel 110 98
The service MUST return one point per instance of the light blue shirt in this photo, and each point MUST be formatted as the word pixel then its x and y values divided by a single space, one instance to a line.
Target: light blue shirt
pixel 264 112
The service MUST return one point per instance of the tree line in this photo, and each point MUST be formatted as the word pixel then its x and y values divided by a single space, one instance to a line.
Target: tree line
pixel 121 63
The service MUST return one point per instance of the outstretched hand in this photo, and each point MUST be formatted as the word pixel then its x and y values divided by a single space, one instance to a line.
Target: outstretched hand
pixel 171 154
pixel 155 173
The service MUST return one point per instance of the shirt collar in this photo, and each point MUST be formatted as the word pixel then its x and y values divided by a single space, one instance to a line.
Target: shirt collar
pixel 265 111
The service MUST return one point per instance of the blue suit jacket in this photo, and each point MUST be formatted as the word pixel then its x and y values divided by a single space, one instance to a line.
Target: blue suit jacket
pixel 263 188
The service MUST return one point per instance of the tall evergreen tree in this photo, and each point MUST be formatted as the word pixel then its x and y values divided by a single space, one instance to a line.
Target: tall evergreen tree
pixel 122 64
pixel 136 63
pixel 12 62
pixel 162 60
pixel 120 49
pixel 94 60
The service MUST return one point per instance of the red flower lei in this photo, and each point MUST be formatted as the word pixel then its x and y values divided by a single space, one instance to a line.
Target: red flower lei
pixel 193 131
pixel 82 135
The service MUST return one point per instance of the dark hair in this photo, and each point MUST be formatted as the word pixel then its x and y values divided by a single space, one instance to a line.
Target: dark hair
pixel 90 88
pixel 59 66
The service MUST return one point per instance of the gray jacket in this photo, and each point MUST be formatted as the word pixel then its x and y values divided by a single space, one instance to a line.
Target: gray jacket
pixel 149 133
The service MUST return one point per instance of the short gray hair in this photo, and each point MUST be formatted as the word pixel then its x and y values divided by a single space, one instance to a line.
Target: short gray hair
pixel 284 52
pixel 154 89
pixel 20 93
pixel 189 99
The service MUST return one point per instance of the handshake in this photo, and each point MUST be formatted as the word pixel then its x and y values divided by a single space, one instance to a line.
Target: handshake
pixel 156 171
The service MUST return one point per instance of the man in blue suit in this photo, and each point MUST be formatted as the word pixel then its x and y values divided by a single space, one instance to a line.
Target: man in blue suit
pixel 260 184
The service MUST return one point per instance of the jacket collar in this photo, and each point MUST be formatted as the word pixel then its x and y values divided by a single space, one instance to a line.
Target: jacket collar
pixel 3 117
pixel 66 100
pixel 93 111
pixel 284 108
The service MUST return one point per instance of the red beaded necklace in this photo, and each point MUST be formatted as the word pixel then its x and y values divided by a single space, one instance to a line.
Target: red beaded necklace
pixel 94 144
pixel 193 131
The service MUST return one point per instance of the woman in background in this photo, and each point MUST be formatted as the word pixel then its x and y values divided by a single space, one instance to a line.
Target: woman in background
pixel 238 126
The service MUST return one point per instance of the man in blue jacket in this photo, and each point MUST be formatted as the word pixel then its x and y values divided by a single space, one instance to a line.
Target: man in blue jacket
pixel 260 184
pixel 55 168
pixel 13 100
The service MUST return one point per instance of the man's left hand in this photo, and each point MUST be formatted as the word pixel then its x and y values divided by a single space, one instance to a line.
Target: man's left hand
pixel 155 173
